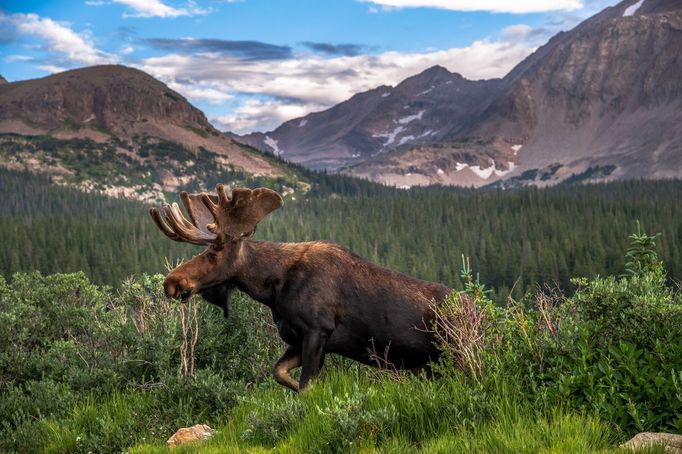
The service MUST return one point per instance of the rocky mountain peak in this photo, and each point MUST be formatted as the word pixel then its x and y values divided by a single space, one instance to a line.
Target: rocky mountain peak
pixel 109 98
pixel 605 95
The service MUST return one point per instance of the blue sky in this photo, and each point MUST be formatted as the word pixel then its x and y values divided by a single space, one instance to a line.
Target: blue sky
pixel 251 64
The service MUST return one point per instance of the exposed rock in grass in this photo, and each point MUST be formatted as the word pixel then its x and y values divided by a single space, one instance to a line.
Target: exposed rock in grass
pixel 184 435
pixel 671 442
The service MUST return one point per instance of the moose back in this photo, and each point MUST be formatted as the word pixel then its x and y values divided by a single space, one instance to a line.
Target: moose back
pixel 324 298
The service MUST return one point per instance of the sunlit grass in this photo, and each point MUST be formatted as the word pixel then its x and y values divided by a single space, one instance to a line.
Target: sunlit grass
pixel 343 413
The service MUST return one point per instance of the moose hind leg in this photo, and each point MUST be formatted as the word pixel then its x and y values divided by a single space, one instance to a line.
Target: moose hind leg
pixel 291 359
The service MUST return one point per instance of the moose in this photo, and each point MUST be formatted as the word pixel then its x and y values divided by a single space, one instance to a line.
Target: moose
pixel 324 298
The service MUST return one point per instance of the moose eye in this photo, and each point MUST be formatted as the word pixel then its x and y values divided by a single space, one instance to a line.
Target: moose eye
pixel 212 256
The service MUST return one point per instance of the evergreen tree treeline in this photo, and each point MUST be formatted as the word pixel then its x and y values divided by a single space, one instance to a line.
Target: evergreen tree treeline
pixel 516 239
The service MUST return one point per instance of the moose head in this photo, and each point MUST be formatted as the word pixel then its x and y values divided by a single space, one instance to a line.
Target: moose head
pixel 220 223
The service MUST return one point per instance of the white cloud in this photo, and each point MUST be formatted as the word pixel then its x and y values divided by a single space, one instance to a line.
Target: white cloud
pixel 516 32
pixel 13 58
pixel 156 8
pixel 60 39
pixel 201 92
pixel 496 6
pixel 52 69
pixel 262 115
pixel 307 82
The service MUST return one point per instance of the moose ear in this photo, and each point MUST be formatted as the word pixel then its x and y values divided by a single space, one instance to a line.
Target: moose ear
pixel 247 208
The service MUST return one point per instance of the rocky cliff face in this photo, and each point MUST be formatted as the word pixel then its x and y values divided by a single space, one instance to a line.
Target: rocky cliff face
pixel 599 102
pixel 607 93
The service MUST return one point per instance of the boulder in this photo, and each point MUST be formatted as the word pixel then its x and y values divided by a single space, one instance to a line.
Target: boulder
pixel 671 442
pixel 184 435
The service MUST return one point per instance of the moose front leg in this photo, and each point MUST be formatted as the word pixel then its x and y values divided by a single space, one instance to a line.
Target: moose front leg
pixel 291 359
pixel 314 344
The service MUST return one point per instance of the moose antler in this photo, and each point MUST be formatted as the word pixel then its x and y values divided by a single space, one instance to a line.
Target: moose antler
pixel 216 218
pixel 176 227
pixel 237 216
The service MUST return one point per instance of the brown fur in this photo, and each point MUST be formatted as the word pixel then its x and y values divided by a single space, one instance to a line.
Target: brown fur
pixel 324 299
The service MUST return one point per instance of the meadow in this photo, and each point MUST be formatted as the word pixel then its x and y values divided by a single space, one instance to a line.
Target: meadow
pixel 564 334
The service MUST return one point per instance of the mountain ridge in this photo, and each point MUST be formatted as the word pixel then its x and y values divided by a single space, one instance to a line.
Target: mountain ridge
pixel 120 131
pixel 604 95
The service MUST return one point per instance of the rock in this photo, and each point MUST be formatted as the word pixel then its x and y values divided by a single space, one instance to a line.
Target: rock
pixel 671 442
pixel 184 435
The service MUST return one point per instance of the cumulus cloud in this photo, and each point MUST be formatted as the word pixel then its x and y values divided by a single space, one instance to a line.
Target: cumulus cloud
pixel 495 6
pixel 246 50
pixel 59 39
pixel 262 115
pixel 156 8
pixel 200 91
pixel 305 83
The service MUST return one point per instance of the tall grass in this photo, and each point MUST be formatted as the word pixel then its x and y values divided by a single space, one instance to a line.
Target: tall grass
pixel 345 413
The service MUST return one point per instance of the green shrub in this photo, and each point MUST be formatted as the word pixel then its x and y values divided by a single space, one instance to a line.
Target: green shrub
pixel 614 348
pixel 70 350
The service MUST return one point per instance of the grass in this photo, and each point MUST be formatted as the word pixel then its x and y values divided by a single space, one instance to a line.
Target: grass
pixel 346 412
pixel 95 424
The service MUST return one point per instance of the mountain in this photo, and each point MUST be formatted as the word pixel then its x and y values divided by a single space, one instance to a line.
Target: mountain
pixel 600 102
pixel 119 130
pixel 603 101
pixel 418 110
pixel 2 80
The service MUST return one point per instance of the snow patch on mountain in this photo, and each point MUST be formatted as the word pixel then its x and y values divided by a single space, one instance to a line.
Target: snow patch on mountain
pixel 303 123
pixel 409 118
pixel 486 172
pixel 405 139
pixel 391 136
pixel 272 143
pixel 632 9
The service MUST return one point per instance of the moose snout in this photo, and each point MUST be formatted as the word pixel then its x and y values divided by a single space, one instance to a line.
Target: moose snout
pixel 177 288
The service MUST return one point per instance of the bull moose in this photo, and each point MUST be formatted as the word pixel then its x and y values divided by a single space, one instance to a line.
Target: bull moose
pixel 324 298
